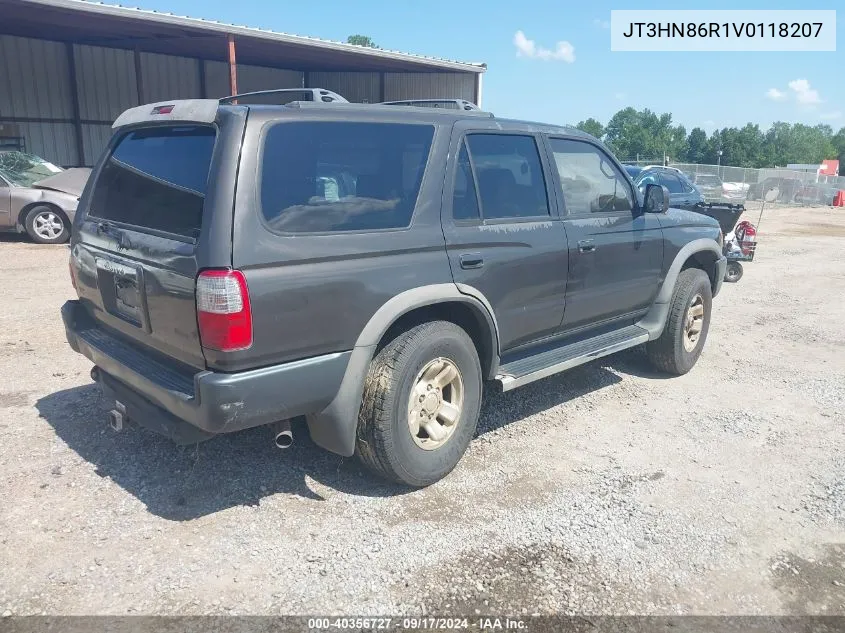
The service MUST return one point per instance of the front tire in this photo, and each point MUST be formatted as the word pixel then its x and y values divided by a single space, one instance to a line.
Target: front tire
pixel 420 405
pixel 46 225
pixel 683 338
pixel 733 272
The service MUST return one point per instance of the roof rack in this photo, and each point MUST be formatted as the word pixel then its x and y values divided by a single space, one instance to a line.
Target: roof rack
pixel 447 104
pixel 320 95
pixel 368 107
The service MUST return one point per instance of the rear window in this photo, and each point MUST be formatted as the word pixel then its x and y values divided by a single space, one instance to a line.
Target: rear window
pixel 156 179
pixel 332 176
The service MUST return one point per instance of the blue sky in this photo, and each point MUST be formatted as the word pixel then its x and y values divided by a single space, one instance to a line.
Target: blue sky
pixel 709 90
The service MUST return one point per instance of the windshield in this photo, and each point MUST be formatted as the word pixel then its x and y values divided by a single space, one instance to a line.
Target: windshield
pixel 23 170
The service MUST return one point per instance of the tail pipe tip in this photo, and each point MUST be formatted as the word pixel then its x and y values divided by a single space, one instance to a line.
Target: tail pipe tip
pixel 282 434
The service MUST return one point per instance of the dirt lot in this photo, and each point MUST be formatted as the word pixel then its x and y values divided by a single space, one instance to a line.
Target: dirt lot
pixel 608 489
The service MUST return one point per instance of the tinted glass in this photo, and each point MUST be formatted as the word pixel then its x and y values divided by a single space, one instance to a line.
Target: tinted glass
pixel 156 179
pixel 590 182
pixel 332 176
pixel 278 98
pixel 464 199
pixel 671 182
pixel 686 184
pixel 647 178
pixel 510 176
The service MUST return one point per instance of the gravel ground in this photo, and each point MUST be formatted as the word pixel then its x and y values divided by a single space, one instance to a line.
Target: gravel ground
pixel 609 489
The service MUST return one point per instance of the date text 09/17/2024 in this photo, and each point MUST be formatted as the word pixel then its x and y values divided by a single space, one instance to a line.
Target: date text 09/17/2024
pixel 477 623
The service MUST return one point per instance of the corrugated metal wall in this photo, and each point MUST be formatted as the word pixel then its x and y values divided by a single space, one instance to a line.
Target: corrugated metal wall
pixel 250 79
pixel 35 84
pixel 54 141
pixel 34 80
pixel 37 96
pixel 168 77
pixel 106 81
pixel 398 86
pixel 94 141
pixel 356 87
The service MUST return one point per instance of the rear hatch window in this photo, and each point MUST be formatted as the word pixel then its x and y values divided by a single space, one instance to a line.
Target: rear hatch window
pixel 156 179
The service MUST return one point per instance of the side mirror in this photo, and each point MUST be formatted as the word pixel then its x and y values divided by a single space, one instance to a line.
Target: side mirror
pixel 656 199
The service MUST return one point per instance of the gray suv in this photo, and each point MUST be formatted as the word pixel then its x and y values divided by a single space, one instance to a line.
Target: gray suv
pixel 368 267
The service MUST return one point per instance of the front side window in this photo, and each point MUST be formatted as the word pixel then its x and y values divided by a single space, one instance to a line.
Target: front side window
pixel 331 176
pixel 590 182
pixel 510 176
pixel 156 179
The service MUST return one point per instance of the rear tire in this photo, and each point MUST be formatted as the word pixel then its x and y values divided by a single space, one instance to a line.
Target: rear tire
pixel 397 408
pixel 733 272
pixel 683 338
pixel 47 225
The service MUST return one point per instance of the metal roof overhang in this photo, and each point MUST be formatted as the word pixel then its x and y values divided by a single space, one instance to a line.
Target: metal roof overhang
pixel 122 27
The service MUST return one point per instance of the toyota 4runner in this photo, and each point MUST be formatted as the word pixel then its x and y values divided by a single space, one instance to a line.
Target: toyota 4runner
pixel 368 267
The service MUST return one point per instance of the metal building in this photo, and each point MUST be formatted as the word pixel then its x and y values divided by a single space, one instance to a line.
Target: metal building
pixel 68 68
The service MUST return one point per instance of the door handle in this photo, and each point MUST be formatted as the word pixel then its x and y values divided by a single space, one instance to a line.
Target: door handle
pixel 471 260
pixel 586 246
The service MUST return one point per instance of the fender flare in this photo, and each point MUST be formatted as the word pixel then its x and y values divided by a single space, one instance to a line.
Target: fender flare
pixel 334 427
pixel 421 297
pixel 655 320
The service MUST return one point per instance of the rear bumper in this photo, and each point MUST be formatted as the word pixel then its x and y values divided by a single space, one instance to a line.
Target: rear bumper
pixel 189 405
pixel 721 267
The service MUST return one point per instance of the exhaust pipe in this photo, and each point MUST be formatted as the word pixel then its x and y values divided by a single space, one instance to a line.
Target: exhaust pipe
pixel 282 435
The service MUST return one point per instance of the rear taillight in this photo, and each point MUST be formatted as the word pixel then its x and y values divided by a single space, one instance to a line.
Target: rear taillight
pixel 224 315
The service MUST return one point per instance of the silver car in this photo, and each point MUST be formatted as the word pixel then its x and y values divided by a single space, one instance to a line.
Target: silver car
pixel 38 197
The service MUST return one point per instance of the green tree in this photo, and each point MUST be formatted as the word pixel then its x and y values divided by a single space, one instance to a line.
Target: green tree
pixel 592 127
pixel 361 40
pixel 697 148
pixel 742 147
pixel 631 133
pixel 634 133
pixel 798 143
pixel 838 142
pixel 627 136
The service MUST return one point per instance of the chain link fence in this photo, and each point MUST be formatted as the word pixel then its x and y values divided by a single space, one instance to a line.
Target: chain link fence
pixel 740 185
pixel 777 186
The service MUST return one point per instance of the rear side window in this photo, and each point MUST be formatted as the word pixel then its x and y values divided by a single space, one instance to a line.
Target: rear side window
pixel 332 176
pixel 464 199
pixel 510 176
pixel 671 182
pixel 156 179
